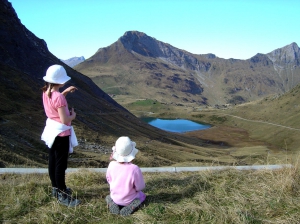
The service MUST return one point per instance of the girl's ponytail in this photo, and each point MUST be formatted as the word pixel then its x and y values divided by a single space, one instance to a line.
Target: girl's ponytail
pixel 45 88
pixel 49 92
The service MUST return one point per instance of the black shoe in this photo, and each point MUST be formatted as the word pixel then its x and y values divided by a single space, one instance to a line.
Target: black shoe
pixel 55 191
pixel 69 191
pixel 67 200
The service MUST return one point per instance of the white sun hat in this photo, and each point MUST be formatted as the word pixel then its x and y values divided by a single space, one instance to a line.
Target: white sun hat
pixel 56 74
pixel 124 150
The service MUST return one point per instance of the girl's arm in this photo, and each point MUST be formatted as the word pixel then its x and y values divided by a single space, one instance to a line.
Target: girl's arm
pixel 68 90
pixel 108 177
pixel 139 182
pixel 64 118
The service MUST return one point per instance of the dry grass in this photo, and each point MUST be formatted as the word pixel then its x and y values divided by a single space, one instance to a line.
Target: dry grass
pixel 227 196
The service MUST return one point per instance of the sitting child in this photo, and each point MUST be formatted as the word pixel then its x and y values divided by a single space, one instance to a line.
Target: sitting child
pixel 125 179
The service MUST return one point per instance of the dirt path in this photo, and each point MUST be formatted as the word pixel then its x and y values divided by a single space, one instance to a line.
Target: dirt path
pixel 296 129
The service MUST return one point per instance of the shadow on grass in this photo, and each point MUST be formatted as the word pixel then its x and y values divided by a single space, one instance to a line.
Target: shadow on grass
pixel 174 190
pixel 94 193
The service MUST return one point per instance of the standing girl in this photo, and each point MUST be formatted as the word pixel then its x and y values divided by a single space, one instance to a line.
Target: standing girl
pixel 125 179
pixel 58 133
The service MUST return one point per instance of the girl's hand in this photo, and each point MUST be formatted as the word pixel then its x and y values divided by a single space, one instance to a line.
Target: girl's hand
pixel 72 113
pixel 64 118
pixel 70 89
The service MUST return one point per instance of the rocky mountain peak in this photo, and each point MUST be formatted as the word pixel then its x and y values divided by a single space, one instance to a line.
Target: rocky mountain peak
pixel 287 54
pixel 145 45
pixel 134 34
pixel 141 43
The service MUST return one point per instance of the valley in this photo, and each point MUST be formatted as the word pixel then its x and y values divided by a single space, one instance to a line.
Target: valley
pixel 244 137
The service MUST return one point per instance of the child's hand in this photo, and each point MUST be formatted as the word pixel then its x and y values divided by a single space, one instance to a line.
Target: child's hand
pixel 73 113
pixel 71 89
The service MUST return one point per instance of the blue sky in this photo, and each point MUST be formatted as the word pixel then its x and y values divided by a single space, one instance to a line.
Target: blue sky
pixel 227 28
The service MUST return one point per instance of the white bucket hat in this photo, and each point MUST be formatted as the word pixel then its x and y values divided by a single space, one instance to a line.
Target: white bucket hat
pixel 56 74
pixel 124 150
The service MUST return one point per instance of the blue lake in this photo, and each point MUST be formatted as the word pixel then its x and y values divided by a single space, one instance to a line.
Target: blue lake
pixel 175 125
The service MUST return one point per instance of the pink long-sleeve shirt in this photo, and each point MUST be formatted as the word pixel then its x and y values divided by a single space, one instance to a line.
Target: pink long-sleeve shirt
pixel 126 182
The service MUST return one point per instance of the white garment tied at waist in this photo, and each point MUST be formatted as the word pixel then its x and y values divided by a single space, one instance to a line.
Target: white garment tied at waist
pixel 53 129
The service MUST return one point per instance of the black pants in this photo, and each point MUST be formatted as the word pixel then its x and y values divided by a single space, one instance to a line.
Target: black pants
pixel 58 162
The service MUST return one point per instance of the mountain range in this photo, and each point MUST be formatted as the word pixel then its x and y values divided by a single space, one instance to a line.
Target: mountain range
pixel 140 66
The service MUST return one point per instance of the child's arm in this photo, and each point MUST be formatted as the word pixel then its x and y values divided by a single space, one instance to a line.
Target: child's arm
pixel 139 180
pixel 68 90
pixel 108 176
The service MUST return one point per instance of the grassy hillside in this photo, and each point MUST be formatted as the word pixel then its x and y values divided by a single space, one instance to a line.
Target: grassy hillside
pixel 273 120
pixel 228 196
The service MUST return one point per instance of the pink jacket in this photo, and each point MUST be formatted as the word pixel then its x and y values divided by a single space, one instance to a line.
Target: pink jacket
pixel 126 182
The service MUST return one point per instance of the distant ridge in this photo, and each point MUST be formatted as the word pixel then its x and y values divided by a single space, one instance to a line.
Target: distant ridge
pixel 73 61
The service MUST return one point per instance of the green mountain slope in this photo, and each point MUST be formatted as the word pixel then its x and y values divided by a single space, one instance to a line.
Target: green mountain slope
pixel 273 120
